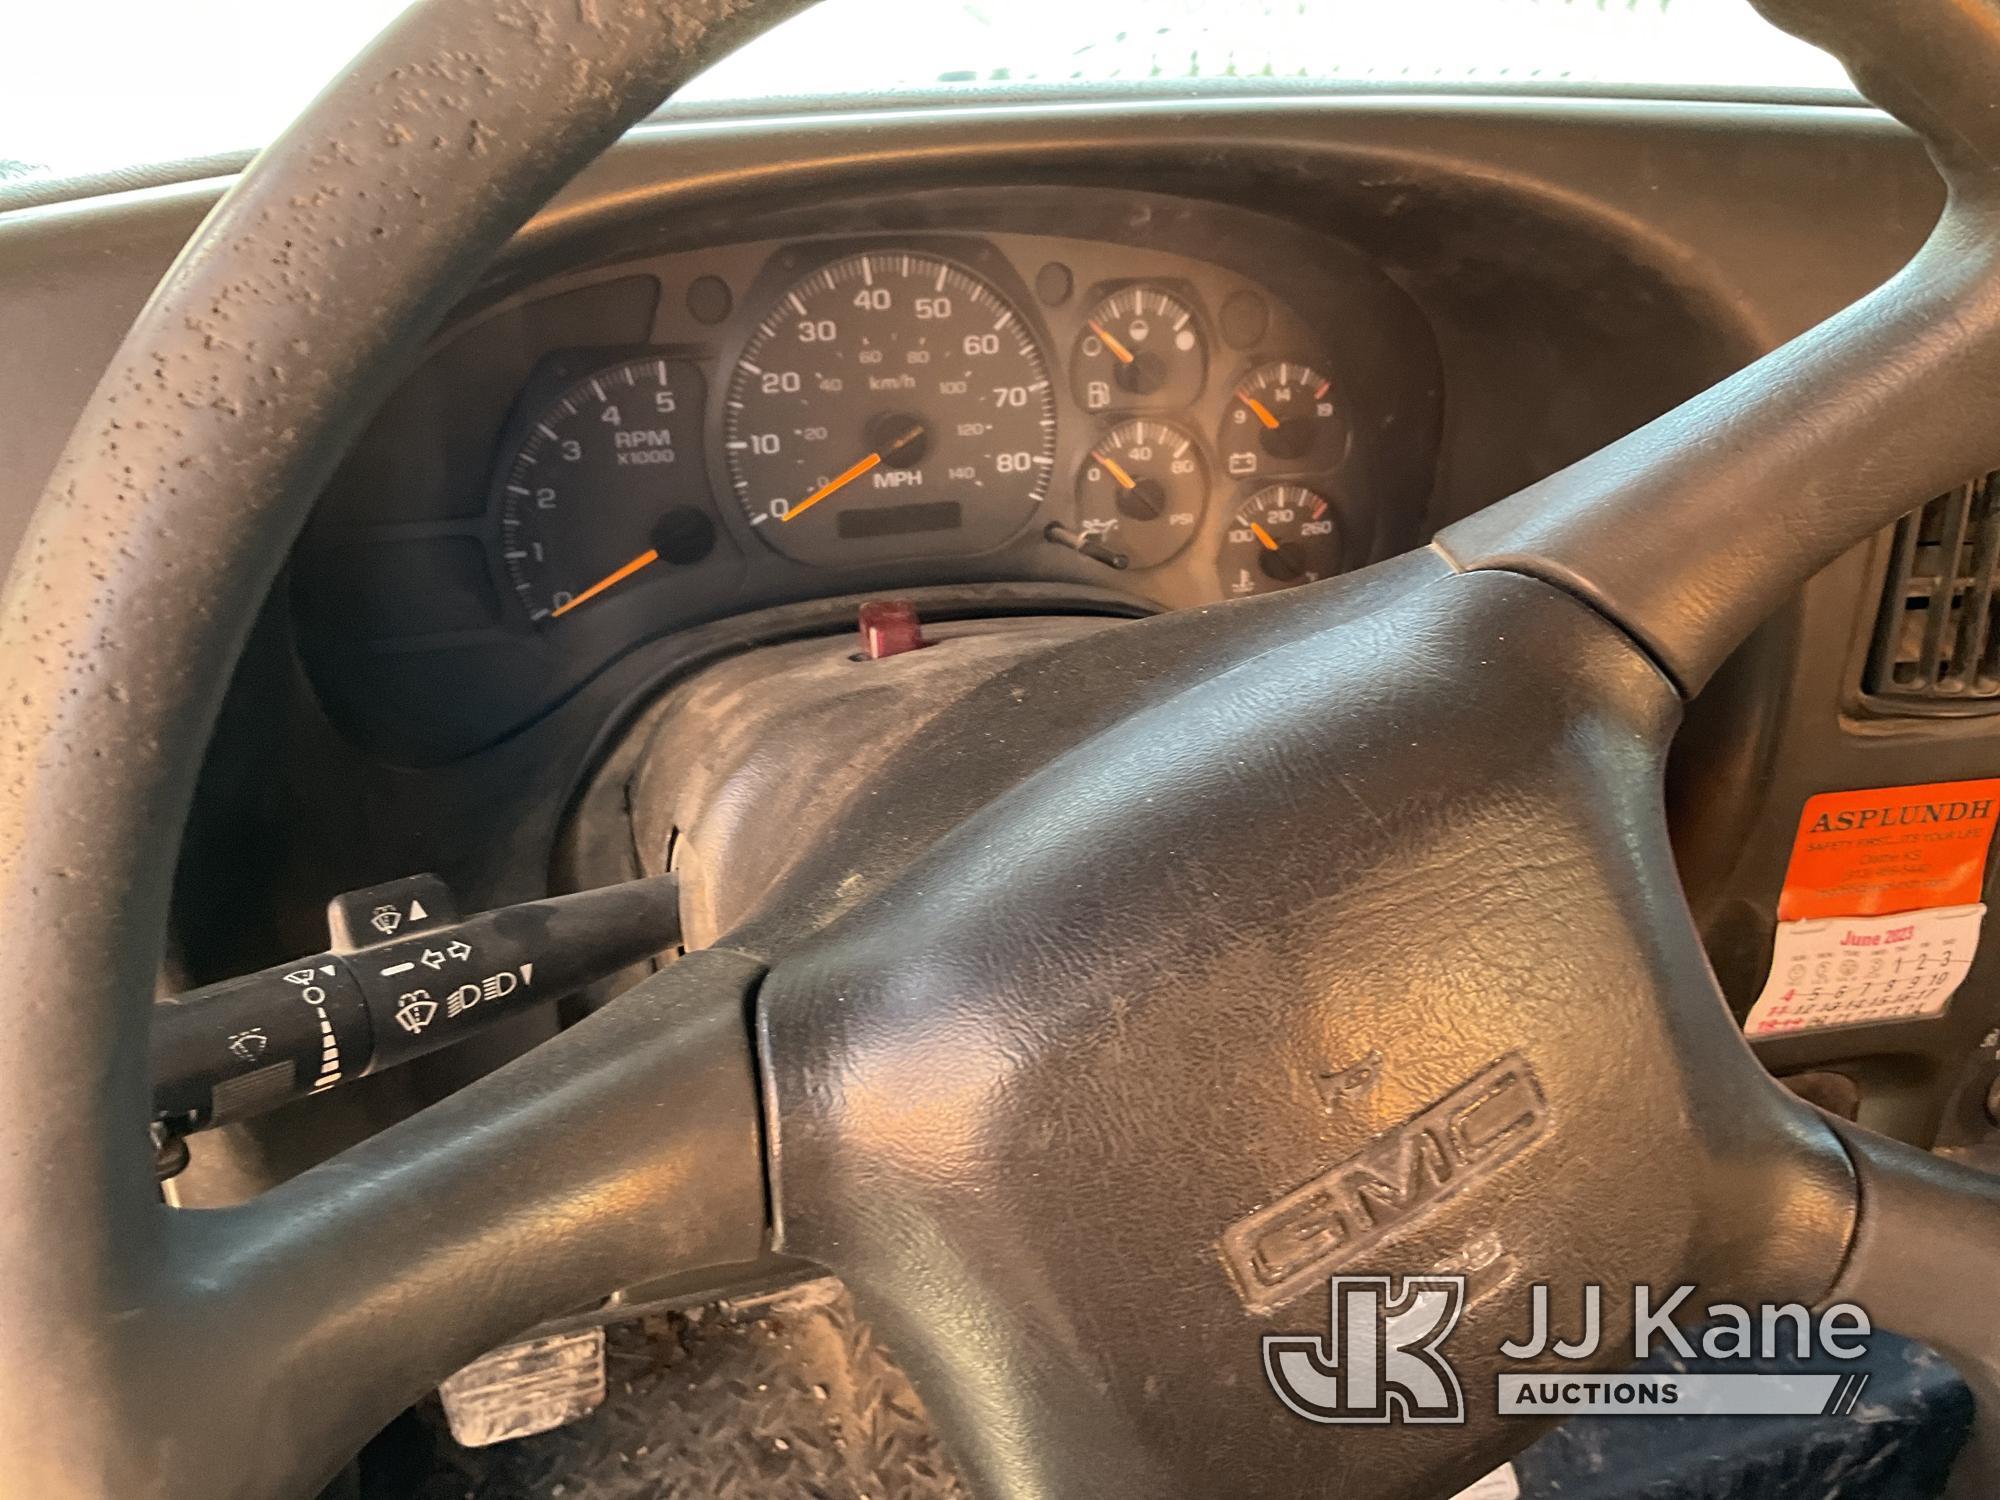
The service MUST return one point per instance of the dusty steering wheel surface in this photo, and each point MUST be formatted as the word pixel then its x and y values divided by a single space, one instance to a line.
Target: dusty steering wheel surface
pixel 1037 1062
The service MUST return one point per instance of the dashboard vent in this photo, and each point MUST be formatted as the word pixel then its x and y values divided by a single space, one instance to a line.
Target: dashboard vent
pixel 1937 643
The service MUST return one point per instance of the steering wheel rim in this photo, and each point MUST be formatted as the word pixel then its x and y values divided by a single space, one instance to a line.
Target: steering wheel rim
pixel 635 1143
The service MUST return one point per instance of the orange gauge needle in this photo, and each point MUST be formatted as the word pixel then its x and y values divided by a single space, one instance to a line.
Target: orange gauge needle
pixel 849 474
pixel 1125 481
pixel 1264 537
pixel 610 580
pixel 1124 354
pixel 845 477
pixel 1263 411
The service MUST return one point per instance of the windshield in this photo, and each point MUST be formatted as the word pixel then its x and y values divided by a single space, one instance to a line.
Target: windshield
pixel 123 82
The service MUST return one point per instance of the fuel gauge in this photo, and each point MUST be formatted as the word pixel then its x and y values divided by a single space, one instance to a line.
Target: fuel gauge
pixel 1140 346
pixel 1280 536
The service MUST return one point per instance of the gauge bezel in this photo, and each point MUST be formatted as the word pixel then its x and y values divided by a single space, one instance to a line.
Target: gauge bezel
pixel 378 555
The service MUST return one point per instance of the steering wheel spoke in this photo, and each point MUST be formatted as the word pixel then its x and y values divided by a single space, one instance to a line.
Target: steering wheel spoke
pixel 1691 530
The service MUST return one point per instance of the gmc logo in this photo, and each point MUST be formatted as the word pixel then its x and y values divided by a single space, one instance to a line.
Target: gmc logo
pixel 1341 1215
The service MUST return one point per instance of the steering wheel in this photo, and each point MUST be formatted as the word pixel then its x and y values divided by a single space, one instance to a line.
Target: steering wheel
pixel 1046 1092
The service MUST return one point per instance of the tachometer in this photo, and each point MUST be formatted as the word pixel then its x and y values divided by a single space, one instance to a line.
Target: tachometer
pixel 890 405
pixel 604 486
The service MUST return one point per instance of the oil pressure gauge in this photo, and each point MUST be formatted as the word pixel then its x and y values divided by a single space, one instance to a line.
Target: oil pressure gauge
pixel 1140 346
pixel 1142 491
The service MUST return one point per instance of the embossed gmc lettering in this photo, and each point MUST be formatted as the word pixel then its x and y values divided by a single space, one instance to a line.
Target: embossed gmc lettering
pixel 1310 1233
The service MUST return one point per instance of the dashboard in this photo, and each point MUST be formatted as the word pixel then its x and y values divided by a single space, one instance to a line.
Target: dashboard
pixel 1493 287
pixel 1168 403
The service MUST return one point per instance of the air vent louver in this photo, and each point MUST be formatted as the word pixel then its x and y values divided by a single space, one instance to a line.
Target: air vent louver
pixel 1937 644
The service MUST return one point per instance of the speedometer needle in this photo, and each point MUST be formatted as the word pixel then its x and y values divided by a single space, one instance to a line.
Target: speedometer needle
pixel 1124 354
pixel 845 477
pixel 610 580
pixel 849 474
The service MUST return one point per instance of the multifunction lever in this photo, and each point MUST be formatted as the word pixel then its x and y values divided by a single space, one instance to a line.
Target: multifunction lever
pixel 404 976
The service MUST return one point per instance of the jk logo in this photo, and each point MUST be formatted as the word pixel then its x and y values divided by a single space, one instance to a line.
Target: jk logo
pixel 1381 1361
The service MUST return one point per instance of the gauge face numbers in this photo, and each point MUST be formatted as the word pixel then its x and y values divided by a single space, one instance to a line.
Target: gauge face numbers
pixel 1282 418
pixel 1142 491
pixel 604 488
pixel 1280 536
pixel 891 405
pixel 1140 346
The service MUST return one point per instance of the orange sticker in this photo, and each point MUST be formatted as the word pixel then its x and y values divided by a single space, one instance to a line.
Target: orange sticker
pixel 1890 849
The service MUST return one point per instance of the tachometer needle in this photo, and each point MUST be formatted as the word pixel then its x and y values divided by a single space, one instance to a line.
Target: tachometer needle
pixel 1264 537
pixel 610 580
pixel 1123 354
pixel 851 473
pixel 1263 412
pixel 1126 481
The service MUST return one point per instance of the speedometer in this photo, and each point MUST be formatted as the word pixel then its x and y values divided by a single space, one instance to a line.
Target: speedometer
pixel 890 405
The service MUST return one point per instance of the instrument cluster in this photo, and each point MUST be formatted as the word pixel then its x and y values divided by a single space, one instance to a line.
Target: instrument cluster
pixel 1188 405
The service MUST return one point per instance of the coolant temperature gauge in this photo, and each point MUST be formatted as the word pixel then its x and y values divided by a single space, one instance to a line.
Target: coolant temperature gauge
pixel 1280 536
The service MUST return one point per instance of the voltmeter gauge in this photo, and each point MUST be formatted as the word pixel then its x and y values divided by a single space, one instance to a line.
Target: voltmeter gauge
pixel 1280 536
pixel 1283 418
pixel 1142 491
pixel 1140 346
